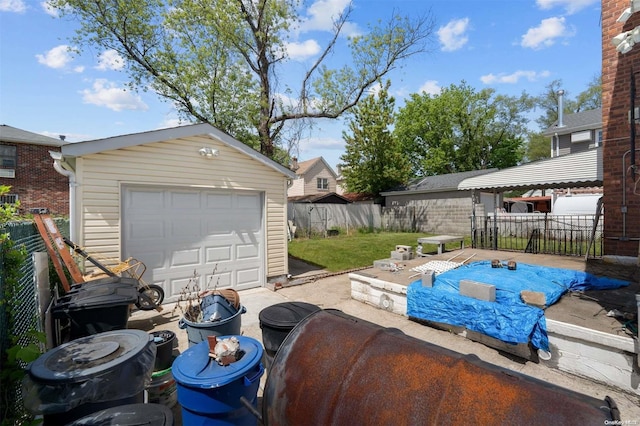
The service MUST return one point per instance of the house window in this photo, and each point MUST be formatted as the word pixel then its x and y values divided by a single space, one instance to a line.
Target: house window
pixel 8 199
pixel 8 160
pixel 598 137
pixel 323 183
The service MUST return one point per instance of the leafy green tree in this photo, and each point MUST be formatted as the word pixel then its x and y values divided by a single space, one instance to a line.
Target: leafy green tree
pixel 462 129
pixel 220 61
pixel 590 98
pixel 538 147
pixel 373 159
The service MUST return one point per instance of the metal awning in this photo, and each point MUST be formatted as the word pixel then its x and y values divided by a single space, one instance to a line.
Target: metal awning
pixel 572 170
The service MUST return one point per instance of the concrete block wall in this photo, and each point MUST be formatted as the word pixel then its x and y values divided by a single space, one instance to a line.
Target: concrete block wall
pixel 617 71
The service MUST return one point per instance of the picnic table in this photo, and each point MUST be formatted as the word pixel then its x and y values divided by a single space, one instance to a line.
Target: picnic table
pixel 440 240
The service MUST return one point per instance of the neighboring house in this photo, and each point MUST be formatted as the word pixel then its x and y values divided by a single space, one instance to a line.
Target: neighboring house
pixel 181 200
pixel 437 205
pixel 314 176
pixel 25 166
pixel 572 134
pixel 575 132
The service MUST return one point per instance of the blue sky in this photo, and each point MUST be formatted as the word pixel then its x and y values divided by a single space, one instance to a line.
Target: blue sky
pixel 509 45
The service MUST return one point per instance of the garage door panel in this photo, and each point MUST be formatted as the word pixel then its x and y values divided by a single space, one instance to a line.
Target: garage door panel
pixel 146 229
pixel 186 229
pixel 220 279
pixel 187 257
pixel 218 253
pixel 218 201
pixel 247 278
pixel 220 226
pixel 185 200
pixel 148 199
pixel 218 229
pixel 246 251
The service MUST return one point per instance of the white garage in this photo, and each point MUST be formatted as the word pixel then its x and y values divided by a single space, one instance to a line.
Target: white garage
pixel 189 202
pixel 181 230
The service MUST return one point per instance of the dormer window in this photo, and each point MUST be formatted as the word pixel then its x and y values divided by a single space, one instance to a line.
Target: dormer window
pixel 323 183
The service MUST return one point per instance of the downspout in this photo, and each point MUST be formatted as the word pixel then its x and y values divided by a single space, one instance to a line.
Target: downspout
pixel 65 169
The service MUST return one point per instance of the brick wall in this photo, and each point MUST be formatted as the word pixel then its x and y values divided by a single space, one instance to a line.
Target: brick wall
pixel 616 78
pixel 37 183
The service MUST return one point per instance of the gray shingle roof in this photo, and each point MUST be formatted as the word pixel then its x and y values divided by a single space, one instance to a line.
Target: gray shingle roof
pixel 439 183
pixel 14 135
pixel 585 120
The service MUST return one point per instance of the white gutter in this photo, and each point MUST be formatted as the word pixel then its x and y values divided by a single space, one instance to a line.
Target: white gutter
pixel 65 169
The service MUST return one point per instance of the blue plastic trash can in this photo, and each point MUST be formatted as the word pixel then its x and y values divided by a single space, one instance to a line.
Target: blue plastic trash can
pixel 210 393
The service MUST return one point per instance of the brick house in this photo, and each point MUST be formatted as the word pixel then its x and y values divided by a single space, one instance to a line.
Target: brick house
pixel 621 172
pixel 27 167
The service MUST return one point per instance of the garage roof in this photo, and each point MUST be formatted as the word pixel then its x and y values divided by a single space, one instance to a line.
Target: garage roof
pixel 571 170
pixel 79 149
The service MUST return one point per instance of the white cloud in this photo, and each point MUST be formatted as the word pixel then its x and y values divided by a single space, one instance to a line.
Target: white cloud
pixel 453 35
pixel 110 60
pixel 16 6
pixel 322 13
pixel 546 33
pixel 57 58
pixel 310 144
pixel 571 6
pixel 430 87
pixel 48 9
pixel 107 94
pixel 514 77
pixel 302 50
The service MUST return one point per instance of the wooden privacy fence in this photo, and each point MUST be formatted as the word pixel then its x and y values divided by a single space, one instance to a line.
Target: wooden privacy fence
pixel 314 218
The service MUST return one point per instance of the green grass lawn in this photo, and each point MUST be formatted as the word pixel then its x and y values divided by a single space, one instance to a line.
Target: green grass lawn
pixel 344 252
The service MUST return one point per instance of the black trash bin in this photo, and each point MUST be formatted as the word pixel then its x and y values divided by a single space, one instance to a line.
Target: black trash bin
pixel 130 414
pixel 89 374
pixel 277 321
pixel 96 307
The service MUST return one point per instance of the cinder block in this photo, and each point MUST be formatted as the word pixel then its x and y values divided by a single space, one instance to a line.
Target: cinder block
pixel 533 298
pixel 428 277
pixel 400 255
pixel 478 290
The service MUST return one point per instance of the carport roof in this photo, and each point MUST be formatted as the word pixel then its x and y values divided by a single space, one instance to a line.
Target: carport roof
pixel 79 149
pixel 571 170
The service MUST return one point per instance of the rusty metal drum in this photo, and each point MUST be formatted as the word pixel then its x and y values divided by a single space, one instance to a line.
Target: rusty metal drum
pixel 336 369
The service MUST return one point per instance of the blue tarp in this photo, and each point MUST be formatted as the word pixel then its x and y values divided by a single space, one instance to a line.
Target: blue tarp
pixel 508 318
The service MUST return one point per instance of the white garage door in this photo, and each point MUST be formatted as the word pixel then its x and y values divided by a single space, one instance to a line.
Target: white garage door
pixel 216 233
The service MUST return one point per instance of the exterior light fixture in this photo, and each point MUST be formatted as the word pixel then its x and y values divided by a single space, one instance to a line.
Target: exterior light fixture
pixel 207 152
pixel 634 6
pixel 625 41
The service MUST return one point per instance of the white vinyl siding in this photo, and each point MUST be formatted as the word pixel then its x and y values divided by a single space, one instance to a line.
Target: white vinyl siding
pixel 176 163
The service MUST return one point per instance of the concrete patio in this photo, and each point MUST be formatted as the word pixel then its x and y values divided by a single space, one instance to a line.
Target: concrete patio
pixel 326 290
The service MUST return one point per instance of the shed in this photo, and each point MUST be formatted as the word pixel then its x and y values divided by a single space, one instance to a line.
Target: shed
pixel 190 202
